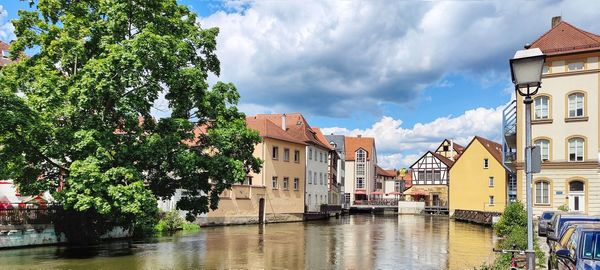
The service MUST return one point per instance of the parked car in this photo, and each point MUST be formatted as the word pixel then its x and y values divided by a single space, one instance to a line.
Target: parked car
pixel 554 245
pixel 543 221
pixel 559 220
pixel 579 248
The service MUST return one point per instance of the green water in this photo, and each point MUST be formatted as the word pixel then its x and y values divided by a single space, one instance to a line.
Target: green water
pixel 352 242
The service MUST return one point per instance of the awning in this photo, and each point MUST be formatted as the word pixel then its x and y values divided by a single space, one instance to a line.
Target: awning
pixel 360 192
pixel 395 193
pixel 419 193
pixel 376 193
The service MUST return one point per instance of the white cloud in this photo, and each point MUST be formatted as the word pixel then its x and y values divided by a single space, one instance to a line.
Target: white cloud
pixel 6 28
pixel 399 146
pixel 312 56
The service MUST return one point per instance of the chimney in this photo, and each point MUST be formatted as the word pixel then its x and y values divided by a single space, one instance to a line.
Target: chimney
pixel 556 20
pixel 283 122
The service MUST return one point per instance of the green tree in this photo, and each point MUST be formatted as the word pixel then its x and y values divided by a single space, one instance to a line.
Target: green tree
pixel 75 116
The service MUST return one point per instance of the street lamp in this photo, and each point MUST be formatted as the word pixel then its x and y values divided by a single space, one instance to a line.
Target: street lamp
pixel 526 70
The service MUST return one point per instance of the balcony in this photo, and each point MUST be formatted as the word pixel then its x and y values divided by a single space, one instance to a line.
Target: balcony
pixel 509 135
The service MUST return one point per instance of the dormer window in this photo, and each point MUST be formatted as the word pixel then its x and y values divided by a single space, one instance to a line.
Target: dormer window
pixel 361 155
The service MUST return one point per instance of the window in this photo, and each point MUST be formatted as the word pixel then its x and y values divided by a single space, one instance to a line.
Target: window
pixel 445 147
pixel 544 146
pixel 545 69
pixel 309 177
pixel 576 149
pixel 574 66
pixel 286 154
pixel 421 176
pixel 274 182
pixel 310 153
pixel 576 186
pixel 397 186
pixel 275 152
pixel 297 156
pixel 491 200
pixel 429 176
pixel 588 246
pixel 576 105
pixel 541 107
pixel 321 178
pixel 315 178
pixel 360 169
pixel 361 155
pixel 437 176
pixel 296 183
pixel 486 163
pixel 286 182
pixel 309 199
pixel 360 182
pixel 248 180
pixel 542 192
pixel 315 155
pixel 491 181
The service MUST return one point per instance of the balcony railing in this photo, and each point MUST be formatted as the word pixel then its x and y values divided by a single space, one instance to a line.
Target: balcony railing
pixel 26 216
pixel 509 135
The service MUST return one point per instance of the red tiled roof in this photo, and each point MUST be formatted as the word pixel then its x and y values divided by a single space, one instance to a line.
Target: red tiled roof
pixel 296 126
pixel 321 137
pixel 352 144
pixel 268 129
pixel 494 148
pixel 566 38
pixel 443 159
pixel 388 173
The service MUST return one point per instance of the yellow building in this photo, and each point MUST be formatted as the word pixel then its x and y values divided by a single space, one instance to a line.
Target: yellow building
pixel 478 178
pixel 276 194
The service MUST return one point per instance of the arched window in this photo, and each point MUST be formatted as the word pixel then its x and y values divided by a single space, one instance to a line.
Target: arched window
pixel 576 105
pixel 541 107
pixel 576 149
pixel 542 192
pixel 576 186
pixel 544 146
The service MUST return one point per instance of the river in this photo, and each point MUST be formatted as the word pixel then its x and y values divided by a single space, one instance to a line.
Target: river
pixel 350 242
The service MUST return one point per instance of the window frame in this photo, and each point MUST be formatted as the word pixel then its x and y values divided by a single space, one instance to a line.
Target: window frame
pixel 582 103
pixel 569 63
pixel 310 151
pixel 541 109
pixel 358 180
pixel 286 154
pixel 286 183
pixel 491 200
pixel 274 182
pixel 310 177
pixel 538 142
pixel 296 183
pixel 583 148
pixel 486 163
pixel 275 152
pixel 297 156
pixel 491 181
pixel 547 192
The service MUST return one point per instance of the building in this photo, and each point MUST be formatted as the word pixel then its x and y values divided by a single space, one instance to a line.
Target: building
pixel 361 158
pixel 335 187
pixel 277 191
pixel 337 142
pixel 316 188
pixel 479 179
pixel 430 174
pixel 391 186
pixel 565 123
pixel 4 54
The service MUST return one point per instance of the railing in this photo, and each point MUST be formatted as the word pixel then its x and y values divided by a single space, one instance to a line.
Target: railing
pixel 382 202
pixel 509 119
pixel 26 216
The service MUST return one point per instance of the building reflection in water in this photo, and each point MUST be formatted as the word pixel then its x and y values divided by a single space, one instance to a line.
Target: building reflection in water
pixel 351 242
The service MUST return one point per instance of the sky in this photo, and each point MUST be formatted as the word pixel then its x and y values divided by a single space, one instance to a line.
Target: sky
pixel 409 73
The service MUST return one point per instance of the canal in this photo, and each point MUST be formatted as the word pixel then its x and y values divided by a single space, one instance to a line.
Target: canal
pixel 350 242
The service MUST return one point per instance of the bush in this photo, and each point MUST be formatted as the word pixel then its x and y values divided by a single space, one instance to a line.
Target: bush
pixel 191 226
pixel 514 217
pixel 170 222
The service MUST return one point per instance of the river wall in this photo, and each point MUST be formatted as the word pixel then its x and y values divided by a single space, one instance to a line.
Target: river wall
pixel 39 235
pixel 478 217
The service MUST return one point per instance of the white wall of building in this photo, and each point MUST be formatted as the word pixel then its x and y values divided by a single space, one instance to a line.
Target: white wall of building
pixel 316 166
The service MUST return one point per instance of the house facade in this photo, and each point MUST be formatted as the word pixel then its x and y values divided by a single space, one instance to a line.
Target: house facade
pixel 316 166
pixel 274 194
pixel 479 178
pixel 565 123
pixel 335 188
pixel 430 174
pixel 361 158
pixel 337 143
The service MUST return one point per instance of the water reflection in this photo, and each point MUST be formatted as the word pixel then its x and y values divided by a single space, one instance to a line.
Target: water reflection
pixel 355 242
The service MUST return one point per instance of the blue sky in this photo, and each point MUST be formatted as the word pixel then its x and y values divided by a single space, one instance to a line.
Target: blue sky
pixel 409 73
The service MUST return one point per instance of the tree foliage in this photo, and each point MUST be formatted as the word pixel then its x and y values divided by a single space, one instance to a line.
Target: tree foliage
pixel 77 112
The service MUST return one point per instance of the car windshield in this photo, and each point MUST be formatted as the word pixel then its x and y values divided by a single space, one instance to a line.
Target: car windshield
pixel 547 215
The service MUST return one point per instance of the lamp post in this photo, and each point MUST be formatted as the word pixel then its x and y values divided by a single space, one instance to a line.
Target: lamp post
pixel 526 70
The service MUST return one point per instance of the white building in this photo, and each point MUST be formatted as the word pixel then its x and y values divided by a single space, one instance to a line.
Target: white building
pixel 361 158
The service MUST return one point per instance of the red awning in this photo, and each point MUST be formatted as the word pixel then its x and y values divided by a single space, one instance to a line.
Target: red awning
pixel 376 193
pixel 419 193
pixel 360 192
pixel 395 193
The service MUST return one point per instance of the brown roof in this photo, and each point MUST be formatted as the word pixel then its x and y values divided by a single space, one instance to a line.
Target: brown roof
pixel 352 144
pixel 443 159
pixel 321 137
pixel 268 129
pixel 4 60
pixel 566 38
pixel 296 126
pixel 494 148
pixel 388 173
